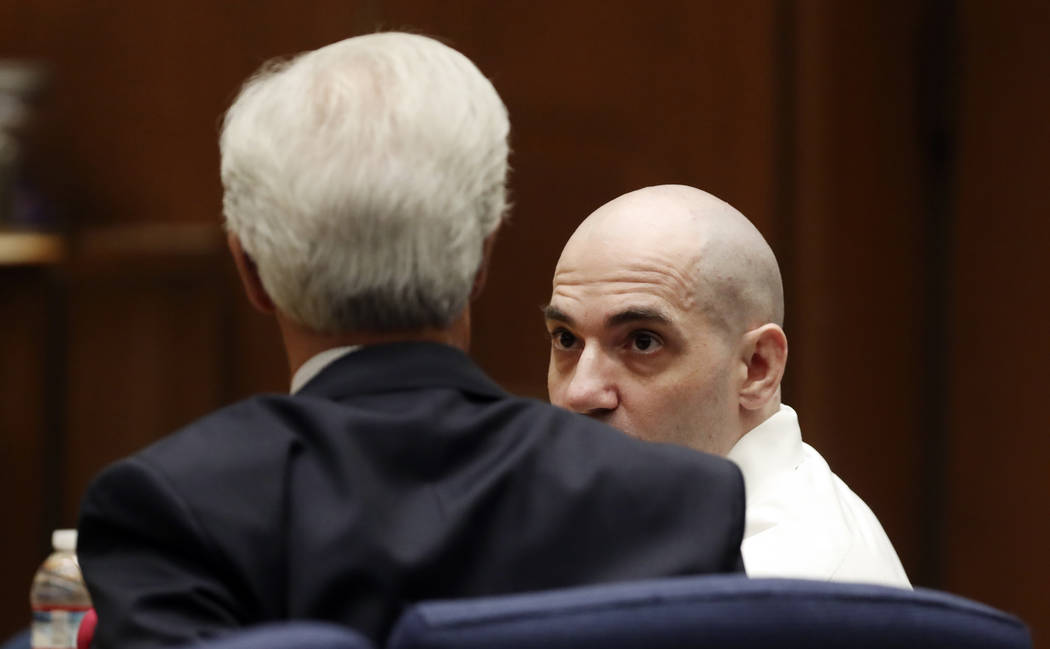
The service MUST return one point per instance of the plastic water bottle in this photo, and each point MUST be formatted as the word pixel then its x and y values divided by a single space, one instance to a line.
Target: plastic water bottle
pixel 58 597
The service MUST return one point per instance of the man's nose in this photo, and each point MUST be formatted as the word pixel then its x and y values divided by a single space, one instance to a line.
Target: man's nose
pixel 592 390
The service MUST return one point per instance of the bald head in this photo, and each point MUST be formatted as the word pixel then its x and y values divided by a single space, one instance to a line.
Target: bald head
pixel 735 277
pixel 665 318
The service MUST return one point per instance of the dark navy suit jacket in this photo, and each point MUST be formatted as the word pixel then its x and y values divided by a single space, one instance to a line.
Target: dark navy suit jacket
pixel 400 473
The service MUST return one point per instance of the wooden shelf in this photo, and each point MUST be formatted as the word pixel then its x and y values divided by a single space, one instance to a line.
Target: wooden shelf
pixel 149 240
pixel 19 248
pixel 124 243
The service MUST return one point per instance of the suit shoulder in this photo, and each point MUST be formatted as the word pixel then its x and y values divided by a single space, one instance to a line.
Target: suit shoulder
pixel 258 419
pixel 575 435
pixel 250 436
pixel 219 467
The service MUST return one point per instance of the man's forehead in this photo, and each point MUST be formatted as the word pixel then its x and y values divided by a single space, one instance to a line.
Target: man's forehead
pixel 604 244
pixel 609 287
pixel 611 303
pixel 615 273
pixel 612 312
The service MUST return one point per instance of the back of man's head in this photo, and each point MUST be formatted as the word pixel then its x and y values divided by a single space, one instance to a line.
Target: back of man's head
pixel 362 179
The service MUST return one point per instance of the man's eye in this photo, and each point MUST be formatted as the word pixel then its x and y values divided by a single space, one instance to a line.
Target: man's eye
pixel 563 339
pixel 644 341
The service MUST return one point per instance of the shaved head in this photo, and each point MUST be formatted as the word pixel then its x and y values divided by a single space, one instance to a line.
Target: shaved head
pixel 736 278
pixel 666 319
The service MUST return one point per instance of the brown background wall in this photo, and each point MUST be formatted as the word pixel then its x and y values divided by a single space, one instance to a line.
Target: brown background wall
pixel 892 152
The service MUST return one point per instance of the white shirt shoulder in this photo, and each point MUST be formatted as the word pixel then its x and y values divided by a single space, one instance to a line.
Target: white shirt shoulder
pixel 802 521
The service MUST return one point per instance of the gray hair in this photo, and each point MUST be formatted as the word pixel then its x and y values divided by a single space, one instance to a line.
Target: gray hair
pixel 362 179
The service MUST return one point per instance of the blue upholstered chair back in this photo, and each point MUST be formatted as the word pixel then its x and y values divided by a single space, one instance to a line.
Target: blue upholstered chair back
pixel 720 612
pixel 290 635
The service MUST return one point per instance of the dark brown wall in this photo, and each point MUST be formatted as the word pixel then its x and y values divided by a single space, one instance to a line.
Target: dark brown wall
pixel 893 154
pixel 854 317
pixel 996 530
pixel 576 101
pixel 24 310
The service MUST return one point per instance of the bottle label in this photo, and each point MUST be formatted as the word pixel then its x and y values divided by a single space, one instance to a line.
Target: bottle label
pixel 56 628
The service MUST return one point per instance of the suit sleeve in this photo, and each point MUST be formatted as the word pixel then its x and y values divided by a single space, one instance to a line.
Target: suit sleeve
pixel 155 579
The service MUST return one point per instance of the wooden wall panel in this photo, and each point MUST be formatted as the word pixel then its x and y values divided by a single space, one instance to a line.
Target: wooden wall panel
pixel 997 535
pixel 854 313
pixel 258 361
pixel 605 98
pixel 138 90
pixel 146 356
pixel 26 394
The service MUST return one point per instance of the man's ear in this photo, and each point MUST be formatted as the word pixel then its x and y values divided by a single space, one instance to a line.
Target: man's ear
pixel 249 274
pixel 483 269
pixel 764 351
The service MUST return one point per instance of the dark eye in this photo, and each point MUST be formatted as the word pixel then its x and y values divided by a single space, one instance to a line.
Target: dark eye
pixel 563 339
pixel 645 341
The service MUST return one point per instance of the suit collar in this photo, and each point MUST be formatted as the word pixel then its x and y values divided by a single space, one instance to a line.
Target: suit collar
pixel 400 366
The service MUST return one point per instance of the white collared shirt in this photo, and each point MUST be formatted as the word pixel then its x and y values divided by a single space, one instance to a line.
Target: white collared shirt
pixel 313 366
pixel 802 520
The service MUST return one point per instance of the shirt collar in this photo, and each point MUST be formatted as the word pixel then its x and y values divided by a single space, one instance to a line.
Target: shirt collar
pixel 773 446
pixel 407 365
pixel 313 366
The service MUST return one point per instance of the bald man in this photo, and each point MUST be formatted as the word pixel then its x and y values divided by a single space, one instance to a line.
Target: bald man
pixel 666 321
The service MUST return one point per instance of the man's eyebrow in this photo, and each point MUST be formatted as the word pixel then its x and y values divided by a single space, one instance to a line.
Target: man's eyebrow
pixel 637 314
pixel 551 312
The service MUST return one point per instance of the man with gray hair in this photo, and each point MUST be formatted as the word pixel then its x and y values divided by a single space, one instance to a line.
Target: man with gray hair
pixel 363 185
pixel 666 321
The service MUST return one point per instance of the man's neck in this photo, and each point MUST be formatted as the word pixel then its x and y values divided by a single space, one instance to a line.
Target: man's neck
pixel 301 343
pixel 751 419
